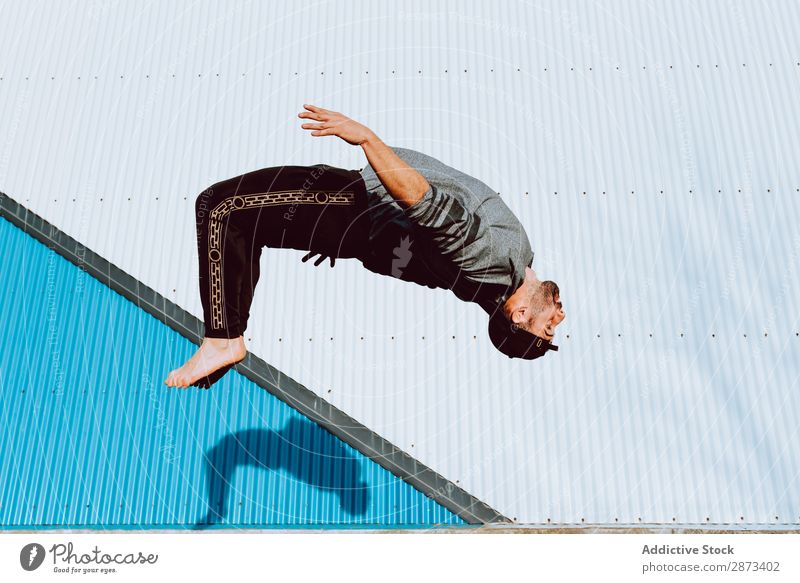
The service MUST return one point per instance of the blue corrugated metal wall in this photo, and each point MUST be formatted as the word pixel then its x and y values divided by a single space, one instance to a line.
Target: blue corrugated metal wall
pixel 91 436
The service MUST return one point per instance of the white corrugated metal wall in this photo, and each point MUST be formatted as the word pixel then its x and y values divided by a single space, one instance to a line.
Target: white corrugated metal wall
pixel 651 151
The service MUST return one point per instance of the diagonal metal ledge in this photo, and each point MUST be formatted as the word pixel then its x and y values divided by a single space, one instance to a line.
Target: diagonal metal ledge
pixel 339 423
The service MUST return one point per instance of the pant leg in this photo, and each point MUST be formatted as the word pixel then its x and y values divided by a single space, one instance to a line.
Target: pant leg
pixel 248 287
pixel 224 256
pixel 318 208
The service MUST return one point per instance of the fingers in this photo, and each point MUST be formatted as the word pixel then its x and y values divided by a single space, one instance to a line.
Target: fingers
pixel 307 115
pixel 328 119
pixel 311 254
pixel 319 260
pixel 318 113
pixel 320 110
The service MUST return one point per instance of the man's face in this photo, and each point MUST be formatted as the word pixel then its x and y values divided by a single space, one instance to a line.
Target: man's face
pixel 547 311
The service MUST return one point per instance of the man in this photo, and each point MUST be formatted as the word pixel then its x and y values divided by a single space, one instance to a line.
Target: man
pixel 405 215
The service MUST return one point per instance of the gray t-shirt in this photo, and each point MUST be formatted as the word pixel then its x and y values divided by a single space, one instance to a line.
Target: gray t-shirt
pixel 460 236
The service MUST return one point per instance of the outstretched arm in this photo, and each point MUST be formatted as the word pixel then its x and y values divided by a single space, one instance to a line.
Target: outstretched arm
pixel 438 215
pixel 402 182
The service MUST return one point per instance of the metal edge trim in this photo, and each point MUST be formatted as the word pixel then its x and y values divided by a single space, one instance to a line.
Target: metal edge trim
pixel 381 451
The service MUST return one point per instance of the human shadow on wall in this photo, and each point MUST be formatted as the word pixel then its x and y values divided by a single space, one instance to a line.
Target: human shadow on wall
pixel 303 449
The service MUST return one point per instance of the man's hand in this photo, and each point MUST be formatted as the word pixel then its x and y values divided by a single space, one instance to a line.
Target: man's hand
pixel 333 123
pixel 321 258
pixel 402 182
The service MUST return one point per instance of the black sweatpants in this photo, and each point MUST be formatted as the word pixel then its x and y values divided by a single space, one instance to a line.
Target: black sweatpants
pixel 316 208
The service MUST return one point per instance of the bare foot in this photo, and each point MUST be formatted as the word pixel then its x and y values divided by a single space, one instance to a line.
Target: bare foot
pixel 213 354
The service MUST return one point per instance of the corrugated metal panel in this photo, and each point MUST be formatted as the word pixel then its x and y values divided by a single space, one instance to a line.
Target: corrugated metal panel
pixel 91 437
pixel 650 152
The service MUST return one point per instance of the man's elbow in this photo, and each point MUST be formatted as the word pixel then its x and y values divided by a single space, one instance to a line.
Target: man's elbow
pixel 420 209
